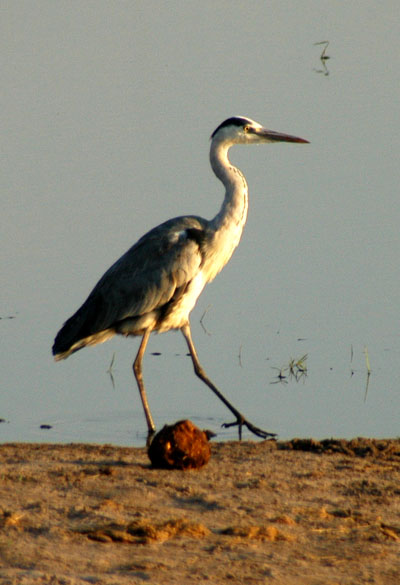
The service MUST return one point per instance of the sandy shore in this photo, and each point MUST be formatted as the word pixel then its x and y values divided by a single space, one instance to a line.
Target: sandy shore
pixel 298 512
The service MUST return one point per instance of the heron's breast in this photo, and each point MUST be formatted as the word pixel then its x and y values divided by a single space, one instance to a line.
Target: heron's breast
pixel 220 251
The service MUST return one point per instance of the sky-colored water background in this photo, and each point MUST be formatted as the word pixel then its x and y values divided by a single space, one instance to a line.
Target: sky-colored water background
pixel 106 117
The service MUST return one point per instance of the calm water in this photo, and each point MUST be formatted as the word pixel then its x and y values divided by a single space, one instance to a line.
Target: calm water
pixel 107 134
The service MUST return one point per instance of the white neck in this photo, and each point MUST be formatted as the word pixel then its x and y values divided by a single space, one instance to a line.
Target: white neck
pixel 233 213
pixel 227 226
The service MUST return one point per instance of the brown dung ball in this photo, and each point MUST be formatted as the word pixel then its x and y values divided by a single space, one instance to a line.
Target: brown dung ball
pixel 180 446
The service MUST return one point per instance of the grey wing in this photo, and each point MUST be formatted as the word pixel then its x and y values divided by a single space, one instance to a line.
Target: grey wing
pixel 145 278
pixel 149 274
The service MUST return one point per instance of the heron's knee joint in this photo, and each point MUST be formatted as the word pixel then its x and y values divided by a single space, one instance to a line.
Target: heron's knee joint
pixel 198 370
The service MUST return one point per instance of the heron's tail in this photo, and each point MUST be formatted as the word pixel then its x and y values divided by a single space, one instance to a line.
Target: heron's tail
pixel 78 332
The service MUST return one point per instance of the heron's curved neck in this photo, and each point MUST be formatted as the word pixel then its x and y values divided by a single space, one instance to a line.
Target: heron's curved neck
pixel 233 213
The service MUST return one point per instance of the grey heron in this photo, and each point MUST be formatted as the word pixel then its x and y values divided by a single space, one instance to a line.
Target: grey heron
pixel 156 283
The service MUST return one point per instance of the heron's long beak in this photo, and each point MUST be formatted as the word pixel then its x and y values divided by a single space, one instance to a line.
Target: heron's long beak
pixel 271 136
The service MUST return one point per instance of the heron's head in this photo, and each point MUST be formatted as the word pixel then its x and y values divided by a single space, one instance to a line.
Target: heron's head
pixel 241 130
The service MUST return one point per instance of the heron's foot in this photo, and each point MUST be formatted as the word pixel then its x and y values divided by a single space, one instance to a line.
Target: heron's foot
pixel 240 421
pixel 150 436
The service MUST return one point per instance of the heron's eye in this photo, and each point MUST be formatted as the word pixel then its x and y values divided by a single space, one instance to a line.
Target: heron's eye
pixel 246 128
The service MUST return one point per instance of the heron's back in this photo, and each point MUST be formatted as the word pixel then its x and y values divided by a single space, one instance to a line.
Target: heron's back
pixel 155 285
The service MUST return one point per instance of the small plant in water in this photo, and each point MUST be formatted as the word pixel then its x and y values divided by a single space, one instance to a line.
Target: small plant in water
pixel 296 369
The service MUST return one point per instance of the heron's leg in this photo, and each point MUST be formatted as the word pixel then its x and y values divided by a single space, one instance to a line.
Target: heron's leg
pixel 240 419
pixel 137 370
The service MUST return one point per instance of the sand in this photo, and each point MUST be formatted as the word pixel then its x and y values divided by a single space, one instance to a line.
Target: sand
pixel 300 512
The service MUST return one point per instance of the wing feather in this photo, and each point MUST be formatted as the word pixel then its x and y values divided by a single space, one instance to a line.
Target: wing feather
pixel 144 279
